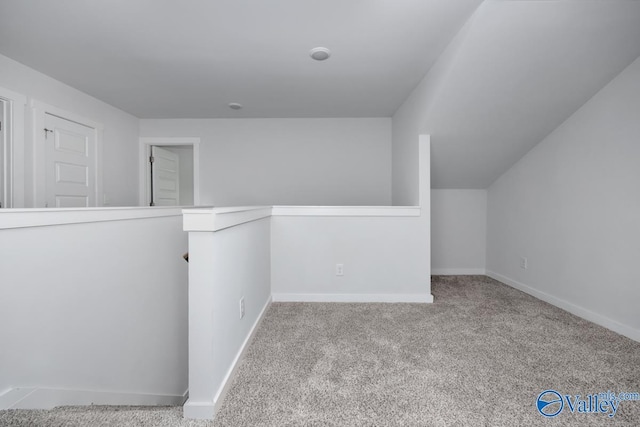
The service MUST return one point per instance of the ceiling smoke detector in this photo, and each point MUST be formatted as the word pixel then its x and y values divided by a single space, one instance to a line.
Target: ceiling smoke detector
pixel 235 105
pixel 320 53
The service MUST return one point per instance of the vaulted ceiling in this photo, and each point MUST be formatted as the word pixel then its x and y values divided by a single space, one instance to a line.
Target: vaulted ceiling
pixel 518 70
pixel 514 71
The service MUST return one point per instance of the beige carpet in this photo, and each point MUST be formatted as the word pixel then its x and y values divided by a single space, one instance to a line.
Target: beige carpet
pixel 480 355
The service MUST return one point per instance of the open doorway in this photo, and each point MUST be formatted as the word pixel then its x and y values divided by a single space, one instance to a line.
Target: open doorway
pixel 169 171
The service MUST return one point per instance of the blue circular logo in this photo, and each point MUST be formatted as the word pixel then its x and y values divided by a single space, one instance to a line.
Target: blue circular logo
pixel 550 403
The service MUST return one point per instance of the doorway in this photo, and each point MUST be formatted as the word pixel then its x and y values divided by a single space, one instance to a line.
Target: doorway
pixel 171 168
pixel 169 171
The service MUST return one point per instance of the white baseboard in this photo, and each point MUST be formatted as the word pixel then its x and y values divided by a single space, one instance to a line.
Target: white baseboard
pixel 408 298
pixel 586 314
pixel 198 410
pixel 233 369
pixel 12 396
pixel 48 398
pixel 458 271
pixel 207 410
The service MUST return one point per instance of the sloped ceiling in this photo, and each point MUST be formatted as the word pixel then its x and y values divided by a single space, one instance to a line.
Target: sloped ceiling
pixel 519 71
pixel 190 58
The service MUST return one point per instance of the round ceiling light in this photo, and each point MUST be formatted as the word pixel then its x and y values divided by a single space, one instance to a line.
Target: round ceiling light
pixel 235 105
pixel 320 53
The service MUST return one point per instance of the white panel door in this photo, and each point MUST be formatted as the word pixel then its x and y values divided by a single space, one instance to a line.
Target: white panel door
pixel 165 177
pixel 70 162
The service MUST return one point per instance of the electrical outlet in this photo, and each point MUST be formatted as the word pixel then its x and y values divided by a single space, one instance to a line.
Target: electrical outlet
pixel 524 263
pixel 339 269
pixel 241 307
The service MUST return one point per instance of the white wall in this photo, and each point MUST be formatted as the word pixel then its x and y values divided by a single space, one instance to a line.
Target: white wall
pixel 458 216
pixel 288 161
pixel 385 259
pixel 458 231
pixel 572 206
pixel 224 266
pixel 385 254
pixel 120 149
pixel 411 119
pixel 96 307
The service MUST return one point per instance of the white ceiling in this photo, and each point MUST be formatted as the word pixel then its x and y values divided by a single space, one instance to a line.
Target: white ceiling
pixel 518 70
pixel 521 69
pixel 190 58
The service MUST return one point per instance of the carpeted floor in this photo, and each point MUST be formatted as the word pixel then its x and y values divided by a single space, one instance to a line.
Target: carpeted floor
pixel 479 356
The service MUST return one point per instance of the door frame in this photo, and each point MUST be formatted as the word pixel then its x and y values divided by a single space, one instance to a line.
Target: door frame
pixel 144 172
pixel 13 147
pixel 40 110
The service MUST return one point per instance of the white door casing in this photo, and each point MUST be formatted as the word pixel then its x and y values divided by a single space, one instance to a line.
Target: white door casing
pixel 12 170
pixel 3 154
pixel 165 177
